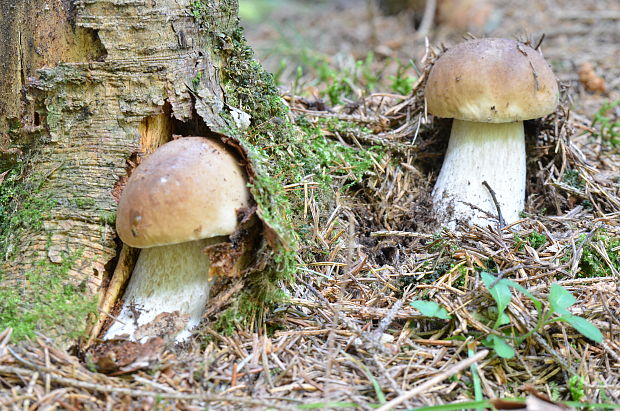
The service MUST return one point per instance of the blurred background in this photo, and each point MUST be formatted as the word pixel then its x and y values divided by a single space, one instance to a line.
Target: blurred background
pixel 337 50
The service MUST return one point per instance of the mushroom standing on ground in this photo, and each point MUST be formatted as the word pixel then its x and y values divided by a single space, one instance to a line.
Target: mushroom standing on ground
pixel 179 200
pixel 488 86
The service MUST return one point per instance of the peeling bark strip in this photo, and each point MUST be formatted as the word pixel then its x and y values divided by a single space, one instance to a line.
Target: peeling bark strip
pixel 91 113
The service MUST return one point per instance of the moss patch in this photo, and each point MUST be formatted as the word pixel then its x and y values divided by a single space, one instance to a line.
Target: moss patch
pixel 592 263
pixel 283 155
pixel 21 208
pixel 43 296
pixel 51 301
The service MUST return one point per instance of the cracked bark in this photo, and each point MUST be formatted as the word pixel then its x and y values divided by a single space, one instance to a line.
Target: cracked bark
pixel 103 78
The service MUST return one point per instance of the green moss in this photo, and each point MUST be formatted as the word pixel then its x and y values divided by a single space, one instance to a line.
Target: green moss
pixel 84 203
pixel 533 239
pixel 196 80
pixel 401 83
pixel 42 298
pixel 281 154
pixel 326 160
pixel 46 300
pixel 338 85
pixel 14 127
pixel 573 179
pixel 592 264
pixel 536 240
pixel 108 217
pixel 21 208
pixel 247 309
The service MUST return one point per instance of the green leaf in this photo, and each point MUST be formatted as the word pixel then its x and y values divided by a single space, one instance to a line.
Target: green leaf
pixel 377 387
pixel 431 309
pixel 500 292
pixel 503 319
pixel 561 312
pixel 560 299
pixel 475 376
pixel 501 347
pixel 524 291
pixel 585 327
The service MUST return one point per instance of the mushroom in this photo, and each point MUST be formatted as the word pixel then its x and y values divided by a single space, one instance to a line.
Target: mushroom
pixel 179 200
pixel 488 86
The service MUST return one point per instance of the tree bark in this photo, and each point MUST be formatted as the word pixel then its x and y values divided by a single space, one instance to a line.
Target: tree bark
pixel 115 79
pixel 34 34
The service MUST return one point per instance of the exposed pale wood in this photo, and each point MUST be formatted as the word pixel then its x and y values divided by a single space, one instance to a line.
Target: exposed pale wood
pixel 124 267
pixel 155 131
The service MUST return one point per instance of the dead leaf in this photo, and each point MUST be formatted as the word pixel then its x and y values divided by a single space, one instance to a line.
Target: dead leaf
pixel 117 357
pixel 228 259
pixel 590 80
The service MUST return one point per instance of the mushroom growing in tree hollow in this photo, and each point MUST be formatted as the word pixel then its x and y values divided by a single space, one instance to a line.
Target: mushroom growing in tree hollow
pixel 179 200
pixel 488 86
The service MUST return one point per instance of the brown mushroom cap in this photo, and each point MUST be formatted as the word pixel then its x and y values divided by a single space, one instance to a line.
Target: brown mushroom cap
pixel 491 80
pixel 188 189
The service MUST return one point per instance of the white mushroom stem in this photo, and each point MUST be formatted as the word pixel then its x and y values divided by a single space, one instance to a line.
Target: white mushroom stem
pixel 477 152
pixel 167 279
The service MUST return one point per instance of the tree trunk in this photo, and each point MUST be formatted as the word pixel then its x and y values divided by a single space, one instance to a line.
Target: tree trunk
pixel 87 88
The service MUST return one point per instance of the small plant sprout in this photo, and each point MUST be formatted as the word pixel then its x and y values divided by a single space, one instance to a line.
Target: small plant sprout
pixel 607 121
pixel 559 300
pixel 179 200
pixel 488 86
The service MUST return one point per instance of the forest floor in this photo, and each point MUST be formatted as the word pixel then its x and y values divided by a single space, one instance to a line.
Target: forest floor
pixel 349 337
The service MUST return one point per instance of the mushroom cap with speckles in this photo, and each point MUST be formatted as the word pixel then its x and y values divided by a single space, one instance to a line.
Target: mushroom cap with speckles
pixel 188 189
pixel 493 81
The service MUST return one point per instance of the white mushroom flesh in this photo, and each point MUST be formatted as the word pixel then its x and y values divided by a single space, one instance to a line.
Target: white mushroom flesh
pixel 478 152
pixel 171 279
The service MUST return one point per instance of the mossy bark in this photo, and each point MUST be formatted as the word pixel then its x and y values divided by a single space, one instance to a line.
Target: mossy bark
pixel 115 79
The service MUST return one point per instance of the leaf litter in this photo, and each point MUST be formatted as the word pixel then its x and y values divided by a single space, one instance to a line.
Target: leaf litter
pixel 347 336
